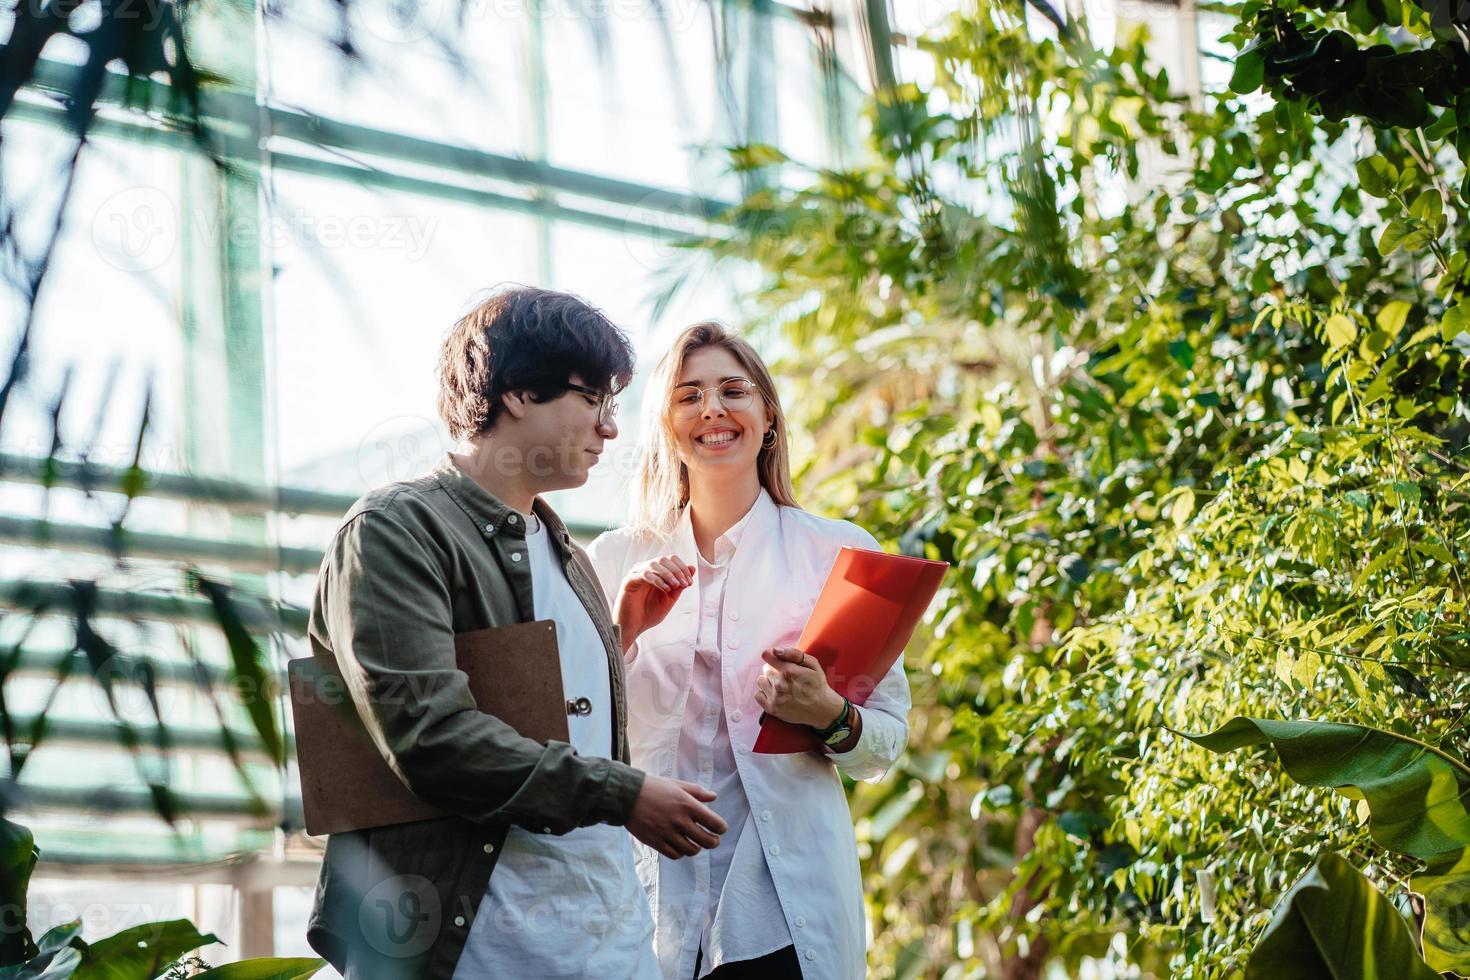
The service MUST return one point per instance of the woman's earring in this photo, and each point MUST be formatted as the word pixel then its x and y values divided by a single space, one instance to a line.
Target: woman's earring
pixel 769 439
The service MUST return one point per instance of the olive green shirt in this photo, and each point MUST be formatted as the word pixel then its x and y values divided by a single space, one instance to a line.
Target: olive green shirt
pixel 412 564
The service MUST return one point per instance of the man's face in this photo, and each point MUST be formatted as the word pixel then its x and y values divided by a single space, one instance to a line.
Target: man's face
pixel 562 438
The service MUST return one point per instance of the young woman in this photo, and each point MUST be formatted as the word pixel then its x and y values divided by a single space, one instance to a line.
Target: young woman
pixel 711 584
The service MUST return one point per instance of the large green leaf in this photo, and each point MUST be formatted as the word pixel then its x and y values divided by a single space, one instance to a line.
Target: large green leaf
pixel 1334 923
pixel 141 953
pixel 1416 799
pixel 295 968
pixel 17 859
pixel 60 952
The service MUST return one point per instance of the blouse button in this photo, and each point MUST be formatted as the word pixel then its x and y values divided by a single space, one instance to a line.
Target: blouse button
pixel 735 614
pixel 735 716
pixel 459 920
pixel 766 815
pixel 512 518
pixel 775 850
pixel 515 556
pixel 811 954
pixel 489 848
pixel 801 922
pixel 733 644
pixel 489 528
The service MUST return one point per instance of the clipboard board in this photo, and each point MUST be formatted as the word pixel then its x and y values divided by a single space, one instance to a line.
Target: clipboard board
pixel 868 610
pixel 514 674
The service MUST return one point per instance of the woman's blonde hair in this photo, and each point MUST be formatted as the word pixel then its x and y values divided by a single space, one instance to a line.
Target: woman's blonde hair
pixel 663 479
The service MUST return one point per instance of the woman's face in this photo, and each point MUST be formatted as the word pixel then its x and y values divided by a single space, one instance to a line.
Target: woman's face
pixel 717 439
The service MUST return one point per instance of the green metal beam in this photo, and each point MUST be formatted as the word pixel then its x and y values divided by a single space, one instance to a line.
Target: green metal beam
pixel 58 598
pixel 108 735
pixel 233 110
pixel 164 670
pixel 115 801
pixel 233 495
pixel 120 542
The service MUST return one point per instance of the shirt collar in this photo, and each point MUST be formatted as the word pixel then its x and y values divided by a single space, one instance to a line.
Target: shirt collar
pixel 726 543
pixel 489 513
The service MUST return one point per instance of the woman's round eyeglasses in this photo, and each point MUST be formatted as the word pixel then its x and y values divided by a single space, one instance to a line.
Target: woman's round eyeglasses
pixel 688 401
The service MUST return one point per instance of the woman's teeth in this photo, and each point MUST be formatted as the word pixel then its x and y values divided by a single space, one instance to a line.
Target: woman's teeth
pixel 717 438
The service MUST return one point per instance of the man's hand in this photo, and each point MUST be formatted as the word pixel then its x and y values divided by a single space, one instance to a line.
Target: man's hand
pixel 793 687
pixel 670 817
pixel 648 592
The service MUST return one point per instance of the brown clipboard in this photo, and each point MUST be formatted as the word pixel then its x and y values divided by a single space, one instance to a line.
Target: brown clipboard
pixel 346 784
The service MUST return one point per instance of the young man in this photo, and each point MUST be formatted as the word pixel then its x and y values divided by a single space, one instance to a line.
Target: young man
pixel 532 876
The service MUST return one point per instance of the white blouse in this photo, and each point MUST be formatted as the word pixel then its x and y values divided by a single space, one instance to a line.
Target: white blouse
pixel 692 715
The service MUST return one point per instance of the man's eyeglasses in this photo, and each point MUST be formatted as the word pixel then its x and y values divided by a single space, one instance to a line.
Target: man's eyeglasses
pixel 607 409
pixel 687 401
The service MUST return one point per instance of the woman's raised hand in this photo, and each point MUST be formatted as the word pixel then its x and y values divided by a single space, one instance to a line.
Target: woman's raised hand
pixel 649 591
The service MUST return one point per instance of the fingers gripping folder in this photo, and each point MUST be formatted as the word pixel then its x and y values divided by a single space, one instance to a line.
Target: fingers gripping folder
pixel 869 607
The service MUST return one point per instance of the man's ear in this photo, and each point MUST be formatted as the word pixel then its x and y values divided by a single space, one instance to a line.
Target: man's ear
pixel 515 403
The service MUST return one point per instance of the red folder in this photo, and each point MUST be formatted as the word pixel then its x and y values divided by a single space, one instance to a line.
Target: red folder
pixel 868 609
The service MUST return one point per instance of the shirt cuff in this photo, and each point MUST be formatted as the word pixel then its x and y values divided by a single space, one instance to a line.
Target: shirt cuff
pixel 620 788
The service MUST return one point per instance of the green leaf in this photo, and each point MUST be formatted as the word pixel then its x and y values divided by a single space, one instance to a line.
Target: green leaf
pixel 142 951
pixel 1393 316
pixel 266 968
pixel 18 856
pixel 1183 507
pixel 1341 330
pixel 247 667
pixel 60 952
pixel 1456 321
pixel 1416 802
pixel 1250 71
pixel 1334 923
pixel 1393 235
pixel 1377 176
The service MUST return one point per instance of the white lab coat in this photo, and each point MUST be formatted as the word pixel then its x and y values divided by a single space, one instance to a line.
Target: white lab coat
pixel 801 812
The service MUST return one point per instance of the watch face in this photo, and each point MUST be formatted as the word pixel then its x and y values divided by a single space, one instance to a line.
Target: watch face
pixel 839 736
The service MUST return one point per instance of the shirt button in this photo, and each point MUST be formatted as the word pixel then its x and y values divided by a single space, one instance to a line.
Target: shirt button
pixel 513 519
pixel 459 920
pixel 811 954
pixel 489 528
pixel 489 848
pixel 775 850
pixel 546 830
pixel 733 644
pixel 735 716
pixel 735 614
pixel 515 556
pixel 766 815
pixel 801 922
pixel 742 749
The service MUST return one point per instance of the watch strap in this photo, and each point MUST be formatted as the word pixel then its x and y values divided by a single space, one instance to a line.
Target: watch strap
pixel 844 721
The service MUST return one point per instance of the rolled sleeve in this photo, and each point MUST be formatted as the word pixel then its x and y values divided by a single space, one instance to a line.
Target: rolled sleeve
pixel 885 729
pixel 385 603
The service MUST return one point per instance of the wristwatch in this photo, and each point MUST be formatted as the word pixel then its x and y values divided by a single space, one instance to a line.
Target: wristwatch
pixel 838 732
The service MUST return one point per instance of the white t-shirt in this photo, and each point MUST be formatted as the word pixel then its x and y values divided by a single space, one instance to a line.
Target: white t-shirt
pixel 568 906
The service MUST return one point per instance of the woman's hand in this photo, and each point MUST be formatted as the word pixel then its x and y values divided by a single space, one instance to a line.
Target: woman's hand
pixel 648 592
pixel 793 687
